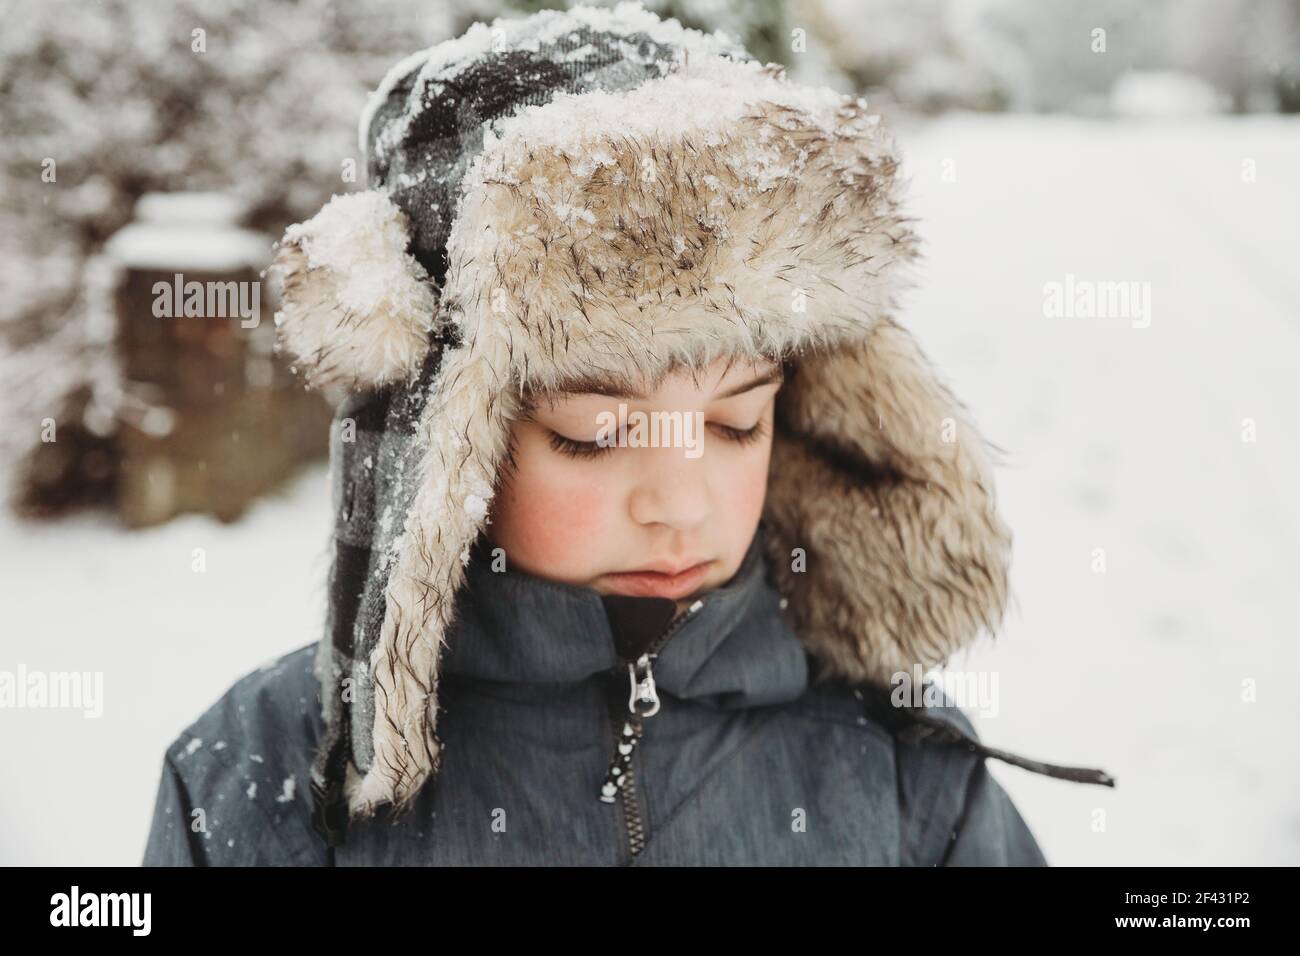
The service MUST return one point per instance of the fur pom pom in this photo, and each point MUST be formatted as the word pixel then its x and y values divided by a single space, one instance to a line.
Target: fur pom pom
pixel 357 308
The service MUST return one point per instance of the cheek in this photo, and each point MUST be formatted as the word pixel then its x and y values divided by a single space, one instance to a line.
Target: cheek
pixel 739 509
pixel 552 516
pixel 747 482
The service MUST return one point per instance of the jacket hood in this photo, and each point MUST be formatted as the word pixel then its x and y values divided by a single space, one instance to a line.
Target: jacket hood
pixel 627 225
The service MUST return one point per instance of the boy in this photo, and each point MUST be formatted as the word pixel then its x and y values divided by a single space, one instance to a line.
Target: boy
pixel 549 639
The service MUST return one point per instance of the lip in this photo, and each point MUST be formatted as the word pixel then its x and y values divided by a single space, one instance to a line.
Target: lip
pixel 659 583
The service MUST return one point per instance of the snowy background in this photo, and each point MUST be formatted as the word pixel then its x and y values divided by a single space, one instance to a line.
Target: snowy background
pixel 1026 166
pixel 1130 439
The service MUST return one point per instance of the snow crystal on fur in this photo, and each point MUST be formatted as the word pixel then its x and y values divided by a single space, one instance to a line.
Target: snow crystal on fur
pixel 357 308
pixel 720 92
pixel 441 62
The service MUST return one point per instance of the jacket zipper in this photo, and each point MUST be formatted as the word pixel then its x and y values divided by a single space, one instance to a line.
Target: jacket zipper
pixel 643 702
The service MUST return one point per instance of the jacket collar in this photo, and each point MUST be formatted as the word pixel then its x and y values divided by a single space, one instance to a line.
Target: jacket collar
pixel 736 650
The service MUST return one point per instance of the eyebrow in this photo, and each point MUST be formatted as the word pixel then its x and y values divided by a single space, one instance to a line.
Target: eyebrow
pixel 776 374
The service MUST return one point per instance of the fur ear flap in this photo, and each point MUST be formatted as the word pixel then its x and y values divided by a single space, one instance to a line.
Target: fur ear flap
pixel 881 477
pixel 356 307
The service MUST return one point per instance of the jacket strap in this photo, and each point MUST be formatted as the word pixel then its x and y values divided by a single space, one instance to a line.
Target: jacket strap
pixel 915 725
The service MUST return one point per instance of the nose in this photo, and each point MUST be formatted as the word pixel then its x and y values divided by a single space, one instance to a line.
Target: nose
pixel 671 488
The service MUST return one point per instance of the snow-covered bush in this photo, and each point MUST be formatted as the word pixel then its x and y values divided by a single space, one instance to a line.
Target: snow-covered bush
pixel 101 103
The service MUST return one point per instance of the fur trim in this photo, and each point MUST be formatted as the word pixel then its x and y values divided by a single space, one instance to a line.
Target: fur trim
pixel 880 478
pixel 618 236
pixel 464 431
pixel 357 309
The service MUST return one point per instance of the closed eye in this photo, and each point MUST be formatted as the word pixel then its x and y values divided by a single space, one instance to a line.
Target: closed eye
pixel 741 436
pixel 573 448
pixel 578 449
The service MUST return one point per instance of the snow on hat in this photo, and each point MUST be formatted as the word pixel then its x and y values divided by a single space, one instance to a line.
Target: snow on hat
pixel 602 193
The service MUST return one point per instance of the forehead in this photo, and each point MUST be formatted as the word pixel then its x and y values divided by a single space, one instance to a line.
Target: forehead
pixel 722 372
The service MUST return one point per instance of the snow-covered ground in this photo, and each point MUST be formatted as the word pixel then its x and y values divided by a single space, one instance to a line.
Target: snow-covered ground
pixel 1119 437
pixel 1130 439
pixel 83 595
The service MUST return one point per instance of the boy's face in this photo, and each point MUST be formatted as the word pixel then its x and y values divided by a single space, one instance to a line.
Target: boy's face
pixel 683 492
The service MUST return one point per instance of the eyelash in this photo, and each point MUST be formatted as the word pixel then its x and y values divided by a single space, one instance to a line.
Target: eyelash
pixel 589 449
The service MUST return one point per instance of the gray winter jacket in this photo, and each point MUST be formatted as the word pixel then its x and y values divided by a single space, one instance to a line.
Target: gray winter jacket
pixel 751 759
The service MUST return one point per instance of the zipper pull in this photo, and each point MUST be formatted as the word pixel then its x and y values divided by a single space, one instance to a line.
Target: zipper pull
pixel 644 692
pixel 643 701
